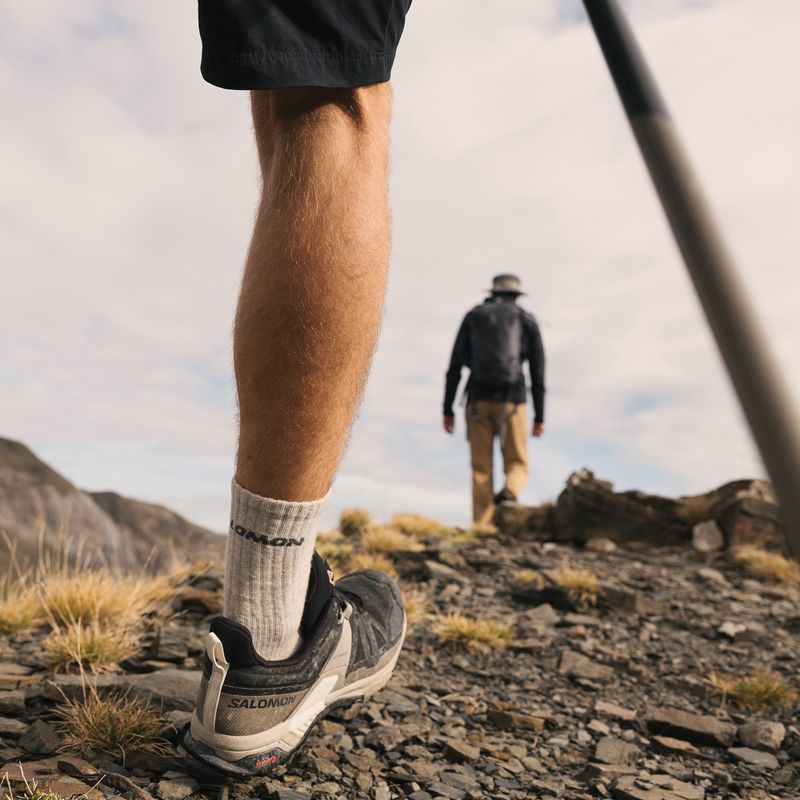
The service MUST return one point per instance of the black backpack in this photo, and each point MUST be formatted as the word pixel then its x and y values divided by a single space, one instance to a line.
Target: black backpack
pixel 495 338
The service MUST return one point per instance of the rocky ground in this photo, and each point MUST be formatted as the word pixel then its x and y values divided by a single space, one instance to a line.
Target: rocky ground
pixel 615 699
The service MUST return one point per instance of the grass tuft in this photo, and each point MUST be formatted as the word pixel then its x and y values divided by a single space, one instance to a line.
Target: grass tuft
pixel 354 522
pixel 421 527
pixel 387 539
pixel 19 605
pixel 416 603
pixel 95 645
pixel 581 585
pixel 770 566
pixel 113 724
pixel 32 791
pixel 88 596
pixel 694 510
pixel 476 635
pixel 371 561
pixel 764 689
pixel 331 549
pixel 527 579
pixel 181 570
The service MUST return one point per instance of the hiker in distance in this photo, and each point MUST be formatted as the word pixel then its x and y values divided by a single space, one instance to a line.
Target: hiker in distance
pixel 493 342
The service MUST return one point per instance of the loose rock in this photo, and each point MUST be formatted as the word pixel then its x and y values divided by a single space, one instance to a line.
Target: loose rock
pixel 614 751
pixel 762 735
pixel 693 728
pixel 758 758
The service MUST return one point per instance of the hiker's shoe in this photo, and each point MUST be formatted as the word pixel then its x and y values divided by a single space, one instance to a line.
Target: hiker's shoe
pixel 252 714
pixel 505 496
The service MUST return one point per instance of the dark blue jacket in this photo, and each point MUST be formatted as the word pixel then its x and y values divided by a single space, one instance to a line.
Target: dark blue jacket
pixel 531 351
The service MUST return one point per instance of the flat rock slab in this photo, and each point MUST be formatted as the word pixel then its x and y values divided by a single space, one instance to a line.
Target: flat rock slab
pixel 12 701
pixel 12 728
pixel 613 711
pixel 12 668
pixel 459 751
pixel 176 789
pixel 756 758
pixel 175 689
pixel 442 790
pixel 514 720
pixel 576 665
pixel 666 745
pixel 607 772
pixel 614 751
pixel 171 688
pixel 694 728
pixel 656 787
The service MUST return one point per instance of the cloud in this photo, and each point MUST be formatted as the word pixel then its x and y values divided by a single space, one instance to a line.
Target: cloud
pixel 129 193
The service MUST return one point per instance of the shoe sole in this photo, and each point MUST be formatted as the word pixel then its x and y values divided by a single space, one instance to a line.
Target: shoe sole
pixel 259 754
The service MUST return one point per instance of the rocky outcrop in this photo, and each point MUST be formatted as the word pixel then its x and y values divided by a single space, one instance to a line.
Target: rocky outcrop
pixel 589 507
pixel 42 512
pixel 589 510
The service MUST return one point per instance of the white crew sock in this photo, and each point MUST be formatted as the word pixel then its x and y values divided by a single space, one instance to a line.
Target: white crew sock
pixel 270 546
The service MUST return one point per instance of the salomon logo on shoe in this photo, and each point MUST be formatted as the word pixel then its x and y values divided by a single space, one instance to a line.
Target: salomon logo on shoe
pixel 262 702
pixel 254 536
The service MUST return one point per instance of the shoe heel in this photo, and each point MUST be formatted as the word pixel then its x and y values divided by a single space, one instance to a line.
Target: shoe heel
pixel 211 685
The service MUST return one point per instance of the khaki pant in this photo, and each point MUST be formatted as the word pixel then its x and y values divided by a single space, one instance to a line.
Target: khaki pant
pixel 485 420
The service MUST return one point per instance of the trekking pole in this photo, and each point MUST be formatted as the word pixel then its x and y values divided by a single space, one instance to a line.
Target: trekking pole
pixel 762 392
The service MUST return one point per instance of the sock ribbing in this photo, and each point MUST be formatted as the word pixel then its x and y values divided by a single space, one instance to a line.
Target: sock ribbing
pixel 270 546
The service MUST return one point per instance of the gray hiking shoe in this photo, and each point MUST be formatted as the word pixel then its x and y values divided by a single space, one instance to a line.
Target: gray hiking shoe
pixel 253 714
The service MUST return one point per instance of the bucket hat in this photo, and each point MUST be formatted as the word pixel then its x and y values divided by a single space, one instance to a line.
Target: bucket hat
pixel 506 284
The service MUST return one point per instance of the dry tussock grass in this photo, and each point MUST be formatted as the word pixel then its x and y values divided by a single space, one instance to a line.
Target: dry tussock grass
pixel 770 566
pixel 19 605
pixel 95 645
pixel 371 561
pixel 97 595
pixel 114 724
pixel 181 570
pixel 416 602
pixel 581 585
pixel 330 549
pixel 96 613
pixel 763 689
pixel 527 579
pixel 476 635
pixel 420 527
pixel 388 539
pixel 97 616
pixel 32 790
pixel 354 522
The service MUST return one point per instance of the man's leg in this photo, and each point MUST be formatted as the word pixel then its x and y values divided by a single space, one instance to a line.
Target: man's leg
pixel 312 293
pixel 306 325
pixel 514 446
pixel 480 431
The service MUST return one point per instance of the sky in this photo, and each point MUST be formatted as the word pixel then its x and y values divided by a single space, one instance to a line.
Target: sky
pixel 127 194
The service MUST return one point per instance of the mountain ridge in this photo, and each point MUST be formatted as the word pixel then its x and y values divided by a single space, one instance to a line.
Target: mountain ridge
pixel 41 511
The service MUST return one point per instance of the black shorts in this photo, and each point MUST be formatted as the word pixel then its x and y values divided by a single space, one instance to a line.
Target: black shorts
pixel 271 44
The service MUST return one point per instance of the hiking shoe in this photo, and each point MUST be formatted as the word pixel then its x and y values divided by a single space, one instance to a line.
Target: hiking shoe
pixel 505 496
pixel 252 714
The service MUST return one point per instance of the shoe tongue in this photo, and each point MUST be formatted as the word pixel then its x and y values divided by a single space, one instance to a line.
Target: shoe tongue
pixel 320 591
